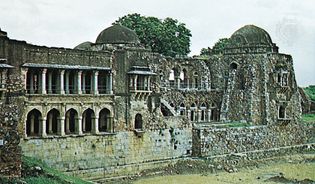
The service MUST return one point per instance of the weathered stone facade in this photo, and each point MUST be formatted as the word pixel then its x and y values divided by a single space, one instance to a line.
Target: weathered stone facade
pixel 101 108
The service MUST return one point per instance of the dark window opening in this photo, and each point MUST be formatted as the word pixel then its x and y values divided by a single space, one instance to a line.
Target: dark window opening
pixel 138 122
pixel 52 122
pixel 281 112
pixel 71 120
pixel 233 66
pixel 104 121
pixel 87 120
pixel 33 123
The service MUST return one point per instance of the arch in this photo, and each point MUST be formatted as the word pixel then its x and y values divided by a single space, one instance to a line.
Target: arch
pixel 138 122
pixel 52 122
pixel 182 109
pixel 281 112
pixel 196 80
pixel 233 66
pixel 33 123
pixel 105 121
pixel 203 108
pixel 88 118
pixel 71 121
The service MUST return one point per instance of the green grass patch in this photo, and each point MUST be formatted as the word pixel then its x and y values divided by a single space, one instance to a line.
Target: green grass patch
pixel 37 172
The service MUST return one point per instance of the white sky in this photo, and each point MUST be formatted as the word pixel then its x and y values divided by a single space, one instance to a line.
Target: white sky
pixel 66 23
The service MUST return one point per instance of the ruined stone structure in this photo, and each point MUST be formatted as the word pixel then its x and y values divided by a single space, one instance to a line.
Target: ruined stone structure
pixel 113 107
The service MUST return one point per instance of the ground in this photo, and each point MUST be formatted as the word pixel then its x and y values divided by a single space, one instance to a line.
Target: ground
pixel 291 170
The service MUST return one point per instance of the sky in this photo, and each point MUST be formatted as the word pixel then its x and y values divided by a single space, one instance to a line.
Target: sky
pixel 67 23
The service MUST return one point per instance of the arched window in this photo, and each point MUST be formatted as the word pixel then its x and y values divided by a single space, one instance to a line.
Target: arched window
pixel 233 66
pixel 213 113
pixel 196 81
pixel 171 78
pixel 52 122
pixel 104 121
pixel 71 120
pixel 203 108
pixel 192 112
pixel 138 122
pixel 182 109
pixel 281 112
pixel 33 123
pixel 88 118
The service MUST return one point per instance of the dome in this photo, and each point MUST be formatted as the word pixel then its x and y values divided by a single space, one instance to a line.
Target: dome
pixel 252 35
pixel 117 34
pixel 84 46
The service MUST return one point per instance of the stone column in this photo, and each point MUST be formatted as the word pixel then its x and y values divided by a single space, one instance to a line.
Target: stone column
pixel 61 121
pixel 79 90
pixel 95 82
pixel 177 82
pixel 96 125
pixel 83 123
pixel 67 123
pixel 110 83
pixel 79 125
pixel 189 113
pixel 135 82
pixel 50 82
pixel 24 73
pixel 67 82
pixel 83 83
pixel 187 85
pixel 32 124
pixel 199 115
pixel 43 127
pixel 62 90
pixel 50 122
pixel 31 83
pixel 149 83
pixel 43 81
pixel 209 115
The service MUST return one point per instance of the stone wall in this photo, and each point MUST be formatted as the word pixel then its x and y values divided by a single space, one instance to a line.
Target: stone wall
pixel 209 141
pixel 99 156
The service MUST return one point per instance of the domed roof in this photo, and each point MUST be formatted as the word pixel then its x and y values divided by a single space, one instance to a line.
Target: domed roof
pixel 84 46
pixel 251 34
pixel 117 34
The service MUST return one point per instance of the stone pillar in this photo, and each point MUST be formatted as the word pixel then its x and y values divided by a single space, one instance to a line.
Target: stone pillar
pixel 110 83
pixel 67 123
pixel 50 122
pixel 177 82
pixel 135 82
pixel 95 82
pixel 187 85
pixel 31 83
pixel 209 115
pixel 79 125
pixel 62 90
pixel 96 125
pixel 83 83
pixel 43 81
pixel 199 115
pixel 149 83
pixel 67 83
pixel 61 121
pixel 24 73
pixel 50 82
pixel 43 127
pixel 32 124
pixel 83 123
pixel 189 114
pixel 79 90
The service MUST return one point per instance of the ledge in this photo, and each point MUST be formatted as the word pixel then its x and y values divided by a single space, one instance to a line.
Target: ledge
pixel 139 132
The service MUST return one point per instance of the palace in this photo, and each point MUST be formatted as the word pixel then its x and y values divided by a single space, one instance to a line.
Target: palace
pixel 114 106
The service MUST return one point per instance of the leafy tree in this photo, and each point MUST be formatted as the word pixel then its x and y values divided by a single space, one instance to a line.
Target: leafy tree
pixel 168 36
pixel 219 45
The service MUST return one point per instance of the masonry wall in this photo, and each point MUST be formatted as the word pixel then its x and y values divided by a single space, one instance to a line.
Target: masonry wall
pixel 209 141
pixel 109 155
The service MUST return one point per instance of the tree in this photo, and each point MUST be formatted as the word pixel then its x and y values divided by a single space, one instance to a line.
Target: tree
pixel 168 37
pixel 218 46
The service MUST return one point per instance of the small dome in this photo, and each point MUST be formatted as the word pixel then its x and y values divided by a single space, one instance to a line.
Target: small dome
pixel 117 34
pixel 252 35
pixel 84 46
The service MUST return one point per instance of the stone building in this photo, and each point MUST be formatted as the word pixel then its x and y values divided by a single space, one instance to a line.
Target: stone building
pixel 114 106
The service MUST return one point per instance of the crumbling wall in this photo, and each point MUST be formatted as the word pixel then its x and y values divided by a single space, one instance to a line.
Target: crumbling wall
pixel 209 141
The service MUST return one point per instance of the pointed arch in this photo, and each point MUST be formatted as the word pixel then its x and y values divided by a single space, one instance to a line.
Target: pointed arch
pixel 105 121
pixel 88 119
pixel 33 123
pixel 52 122
pixel 71 121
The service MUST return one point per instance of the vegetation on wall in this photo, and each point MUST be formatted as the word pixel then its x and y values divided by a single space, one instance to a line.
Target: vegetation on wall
pixel 219 45
pixel 168 37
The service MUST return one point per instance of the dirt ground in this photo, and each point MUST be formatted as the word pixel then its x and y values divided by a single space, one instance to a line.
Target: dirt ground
pixel 297 169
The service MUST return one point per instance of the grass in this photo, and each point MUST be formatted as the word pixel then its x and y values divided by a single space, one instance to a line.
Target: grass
pixel 44 175
pixel 308 117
